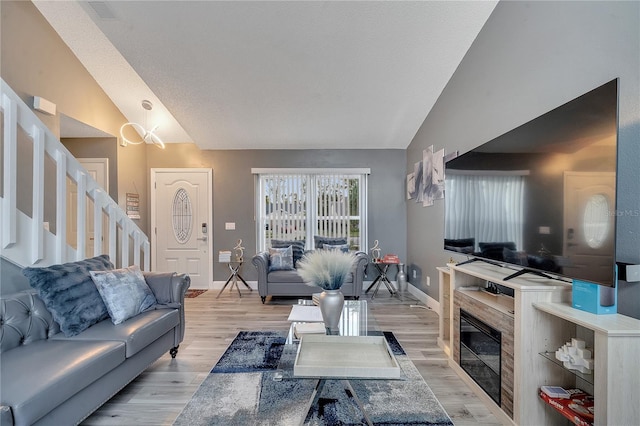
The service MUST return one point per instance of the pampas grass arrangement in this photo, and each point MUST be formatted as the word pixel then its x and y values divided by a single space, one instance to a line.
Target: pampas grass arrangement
pixel 326 268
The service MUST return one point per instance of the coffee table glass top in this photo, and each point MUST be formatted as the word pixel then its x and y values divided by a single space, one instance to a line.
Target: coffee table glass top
pixel 355 321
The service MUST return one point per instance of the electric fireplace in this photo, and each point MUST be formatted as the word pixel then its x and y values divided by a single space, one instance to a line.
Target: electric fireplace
pixel 480 353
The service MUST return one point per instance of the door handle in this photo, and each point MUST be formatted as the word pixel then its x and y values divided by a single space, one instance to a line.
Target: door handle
pixel 202 239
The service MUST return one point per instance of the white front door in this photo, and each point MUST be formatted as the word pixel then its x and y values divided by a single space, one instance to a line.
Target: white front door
pixel 98 169
pixel 589 232
pixel 181 205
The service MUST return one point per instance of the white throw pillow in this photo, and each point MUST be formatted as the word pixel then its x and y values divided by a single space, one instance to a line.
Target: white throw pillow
pixel 124 292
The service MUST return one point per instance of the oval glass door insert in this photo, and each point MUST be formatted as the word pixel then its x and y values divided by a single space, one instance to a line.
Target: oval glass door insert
pixel 596 221
pixel 182 216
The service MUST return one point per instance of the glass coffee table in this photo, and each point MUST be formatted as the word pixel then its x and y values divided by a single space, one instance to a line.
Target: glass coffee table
pixel 360 330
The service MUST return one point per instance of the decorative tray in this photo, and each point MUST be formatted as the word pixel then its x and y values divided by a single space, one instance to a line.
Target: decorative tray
pixel 363 357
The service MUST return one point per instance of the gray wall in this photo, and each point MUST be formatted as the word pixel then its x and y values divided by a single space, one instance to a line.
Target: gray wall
pixel 233 191
pixel 529 58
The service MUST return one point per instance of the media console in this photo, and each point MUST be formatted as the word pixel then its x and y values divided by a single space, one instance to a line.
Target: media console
pixel 543 320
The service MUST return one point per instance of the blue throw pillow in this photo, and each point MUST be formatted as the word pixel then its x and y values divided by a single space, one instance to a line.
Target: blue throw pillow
pixel 296 245
pixel 320 241
pixel 124 291
pixel 344 248
pixel 281 259
pixel 69 293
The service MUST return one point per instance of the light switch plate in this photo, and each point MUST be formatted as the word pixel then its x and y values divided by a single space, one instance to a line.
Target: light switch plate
pixel 230 226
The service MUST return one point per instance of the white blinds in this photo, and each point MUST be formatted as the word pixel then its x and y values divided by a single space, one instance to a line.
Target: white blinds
pixel 285 205
pixel 333 205
pixel 297 205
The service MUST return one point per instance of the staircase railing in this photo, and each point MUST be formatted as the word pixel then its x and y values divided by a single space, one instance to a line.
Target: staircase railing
pixel 24 238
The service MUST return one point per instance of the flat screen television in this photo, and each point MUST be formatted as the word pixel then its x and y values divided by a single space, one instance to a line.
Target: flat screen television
pixel 541 197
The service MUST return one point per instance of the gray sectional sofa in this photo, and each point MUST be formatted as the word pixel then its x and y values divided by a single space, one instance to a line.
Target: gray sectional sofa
pixel 48 378
pixel 289 282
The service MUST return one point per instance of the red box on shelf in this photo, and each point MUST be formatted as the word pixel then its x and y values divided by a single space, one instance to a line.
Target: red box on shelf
pixel 578 408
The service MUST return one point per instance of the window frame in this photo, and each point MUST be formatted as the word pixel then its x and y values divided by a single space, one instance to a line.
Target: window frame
pixel 312 214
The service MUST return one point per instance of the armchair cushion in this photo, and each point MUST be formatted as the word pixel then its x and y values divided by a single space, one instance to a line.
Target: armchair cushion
pixel 320 241
pixel 124 292
pixel 344 248
pixel 69 293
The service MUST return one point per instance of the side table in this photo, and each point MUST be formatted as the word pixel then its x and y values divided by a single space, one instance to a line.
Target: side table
pixel 383 268
pixel 234 267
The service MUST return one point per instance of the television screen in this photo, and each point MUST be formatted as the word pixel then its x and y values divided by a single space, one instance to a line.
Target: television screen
pixel 542 196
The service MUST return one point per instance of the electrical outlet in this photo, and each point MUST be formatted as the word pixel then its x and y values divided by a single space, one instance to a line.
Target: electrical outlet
pixel 428 281
pixel 230 226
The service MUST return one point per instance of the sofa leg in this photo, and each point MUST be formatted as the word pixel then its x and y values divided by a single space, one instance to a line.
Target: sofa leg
pixel 263 299
pixel 357 297
pixel 174 351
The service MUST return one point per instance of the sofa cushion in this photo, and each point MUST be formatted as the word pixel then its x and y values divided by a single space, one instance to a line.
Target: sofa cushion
pixel 284 277
pixel 137 332
pixel 296 245
pixel 280 259
pixel 124 291
pixel 37 378
pixel 69 293
pixel 320 241
pixel 294 277
pixel 342 247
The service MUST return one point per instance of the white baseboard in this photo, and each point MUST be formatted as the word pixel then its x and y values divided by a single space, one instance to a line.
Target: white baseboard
pixel 217 285
pixel 423 297
pixel 429 301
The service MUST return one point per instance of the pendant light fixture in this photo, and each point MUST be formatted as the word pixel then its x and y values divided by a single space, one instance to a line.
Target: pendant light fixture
pixel 148 136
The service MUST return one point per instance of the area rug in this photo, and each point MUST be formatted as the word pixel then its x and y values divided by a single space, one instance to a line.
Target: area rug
pixel 190 294
pixel 243 389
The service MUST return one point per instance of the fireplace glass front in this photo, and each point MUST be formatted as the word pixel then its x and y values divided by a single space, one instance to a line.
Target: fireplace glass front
pixel 480 353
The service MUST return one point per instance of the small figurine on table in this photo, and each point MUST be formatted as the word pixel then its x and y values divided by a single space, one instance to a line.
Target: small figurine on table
pixel 239 251
pixel 376 251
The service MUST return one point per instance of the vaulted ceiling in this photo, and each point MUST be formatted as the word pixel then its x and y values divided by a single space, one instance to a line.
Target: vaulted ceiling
pixel 273 74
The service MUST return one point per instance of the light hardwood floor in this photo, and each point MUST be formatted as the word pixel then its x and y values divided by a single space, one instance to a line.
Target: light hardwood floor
pixel 158 395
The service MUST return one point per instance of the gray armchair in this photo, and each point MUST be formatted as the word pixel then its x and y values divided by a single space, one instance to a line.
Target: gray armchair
pixel 289 283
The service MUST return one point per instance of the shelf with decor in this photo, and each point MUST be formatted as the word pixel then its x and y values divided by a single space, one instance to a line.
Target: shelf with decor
pixel 551 356
pixel 578 407
pixel 519 403
pixel 615 343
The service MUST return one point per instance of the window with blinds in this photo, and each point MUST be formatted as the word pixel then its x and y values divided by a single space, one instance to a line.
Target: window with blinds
pixel 299 204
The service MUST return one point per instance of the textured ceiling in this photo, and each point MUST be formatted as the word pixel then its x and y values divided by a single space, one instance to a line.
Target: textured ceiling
pixel 265 75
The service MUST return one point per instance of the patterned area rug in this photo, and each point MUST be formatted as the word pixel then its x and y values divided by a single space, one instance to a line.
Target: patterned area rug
pixel 242 389
pixel 190 294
